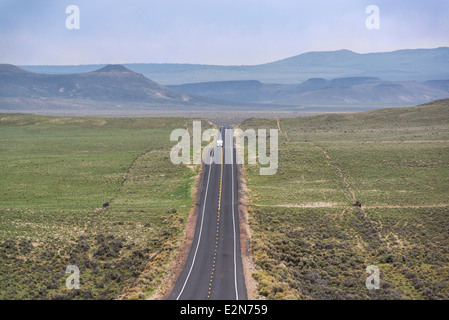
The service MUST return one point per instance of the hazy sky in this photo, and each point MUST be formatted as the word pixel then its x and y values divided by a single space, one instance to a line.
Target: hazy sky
pixel 225 32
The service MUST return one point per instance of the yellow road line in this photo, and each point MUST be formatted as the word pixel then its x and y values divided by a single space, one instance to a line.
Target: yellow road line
pixel 218 227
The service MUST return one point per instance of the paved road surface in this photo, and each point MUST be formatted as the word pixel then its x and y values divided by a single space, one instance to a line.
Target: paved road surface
pixel 213 269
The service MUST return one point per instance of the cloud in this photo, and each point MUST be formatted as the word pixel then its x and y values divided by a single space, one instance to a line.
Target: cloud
pixel 211 31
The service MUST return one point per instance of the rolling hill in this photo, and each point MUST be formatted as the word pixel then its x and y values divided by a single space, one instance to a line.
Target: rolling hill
pixel 110 83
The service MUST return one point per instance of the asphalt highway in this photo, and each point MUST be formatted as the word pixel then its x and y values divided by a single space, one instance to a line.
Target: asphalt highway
pixel 213 269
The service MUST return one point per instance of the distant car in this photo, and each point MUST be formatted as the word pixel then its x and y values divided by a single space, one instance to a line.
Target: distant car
pixel 219 143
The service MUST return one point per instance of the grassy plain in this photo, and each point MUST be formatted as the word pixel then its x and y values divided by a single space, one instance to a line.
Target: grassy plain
pixel 99 193
pixel 309 241
pixel 102 194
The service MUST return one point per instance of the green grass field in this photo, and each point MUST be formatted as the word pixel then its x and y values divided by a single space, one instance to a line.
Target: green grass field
pixel 57 173
pixel 308 239
pixel 311 242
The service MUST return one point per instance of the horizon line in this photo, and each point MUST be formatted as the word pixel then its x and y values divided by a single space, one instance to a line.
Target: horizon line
pixel 222 65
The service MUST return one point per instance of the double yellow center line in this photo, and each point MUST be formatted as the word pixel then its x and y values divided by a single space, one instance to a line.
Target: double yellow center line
pixel 218 228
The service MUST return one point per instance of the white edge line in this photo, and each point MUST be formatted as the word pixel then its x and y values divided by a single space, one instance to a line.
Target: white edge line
pixel 233 219
pixel 201 231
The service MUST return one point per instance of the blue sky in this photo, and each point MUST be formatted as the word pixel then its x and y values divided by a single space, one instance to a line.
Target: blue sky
pixel 224 32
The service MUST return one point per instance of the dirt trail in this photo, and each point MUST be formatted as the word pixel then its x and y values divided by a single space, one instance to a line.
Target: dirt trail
pixel 128 172
pixel 95 215
pixel 409 207
pixel 280 130
pixel 305 205
pixel 349 192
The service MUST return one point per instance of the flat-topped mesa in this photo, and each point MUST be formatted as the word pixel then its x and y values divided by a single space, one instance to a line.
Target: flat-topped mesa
pixel 114 68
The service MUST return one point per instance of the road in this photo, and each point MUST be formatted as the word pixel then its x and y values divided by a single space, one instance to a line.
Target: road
pixel 213 269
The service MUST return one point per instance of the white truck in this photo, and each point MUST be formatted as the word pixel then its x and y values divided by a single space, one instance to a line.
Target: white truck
pixel 219 143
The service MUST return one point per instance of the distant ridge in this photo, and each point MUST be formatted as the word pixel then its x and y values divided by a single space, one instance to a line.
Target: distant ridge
pixel 318 58
pixel 369 91
pixel 400 65
pixel 331 80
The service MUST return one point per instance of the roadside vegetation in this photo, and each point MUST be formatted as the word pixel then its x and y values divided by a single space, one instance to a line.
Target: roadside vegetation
pixel 98 193
pixel 354 190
